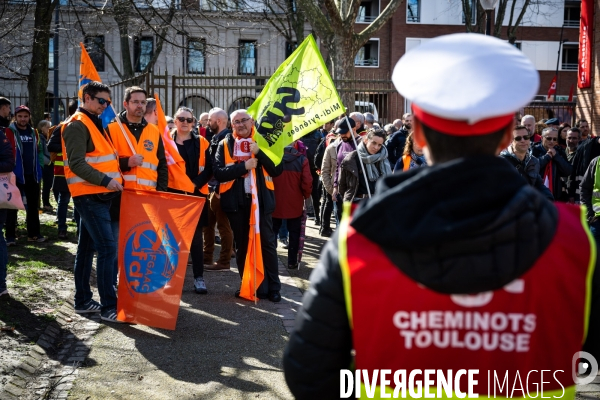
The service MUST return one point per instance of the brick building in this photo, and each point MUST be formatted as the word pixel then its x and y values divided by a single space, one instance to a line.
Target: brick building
pixel 419 20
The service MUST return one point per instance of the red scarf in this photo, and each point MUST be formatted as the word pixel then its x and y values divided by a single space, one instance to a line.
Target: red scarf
pixel 241 147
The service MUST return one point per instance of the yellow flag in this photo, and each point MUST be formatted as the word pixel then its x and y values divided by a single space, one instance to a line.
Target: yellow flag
pixel 299 98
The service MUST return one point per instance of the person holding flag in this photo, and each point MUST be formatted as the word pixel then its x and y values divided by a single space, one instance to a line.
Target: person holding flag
pixel 246 187
pixel 92 173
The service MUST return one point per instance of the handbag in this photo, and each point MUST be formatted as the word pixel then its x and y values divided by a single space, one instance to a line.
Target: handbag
pixel 10 195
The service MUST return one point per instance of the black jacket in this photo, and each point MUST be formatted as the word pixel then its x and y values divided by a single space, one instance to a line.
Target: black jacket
pixel 476 239
pixel 587 188
pixel 529 169
pixel 7 157
pixel 395 145
pixel 581 160
pixel 234 197
pixel 560 167
pixel 213 184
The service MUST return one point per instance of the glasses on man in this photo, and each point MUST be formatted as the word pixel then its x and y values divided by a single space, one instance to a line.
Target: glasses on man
pixel 241 121
pixel 519 138
pixel 101 101
pixel 188 120
pixel 551 139
pixel 139 102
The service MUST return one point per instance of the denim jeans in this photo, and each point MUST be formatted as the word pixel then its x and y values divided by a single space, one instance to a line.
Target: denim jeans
pixel 115 230
pixel 3 252
pixel 95 232
pixel 595 231
pixel 63 199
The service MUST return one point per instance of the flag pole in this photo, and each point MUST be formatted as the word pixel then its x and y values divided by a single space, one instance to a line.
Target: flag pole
pixel 254 232
pixel 359 159
pixel 123 130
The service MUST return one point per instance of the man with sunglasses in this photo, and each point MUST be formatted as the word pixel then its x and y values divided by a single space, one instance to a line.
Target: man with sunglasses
pixel 236 156
pixel 92 173
pixel 518 155
pixel 553 163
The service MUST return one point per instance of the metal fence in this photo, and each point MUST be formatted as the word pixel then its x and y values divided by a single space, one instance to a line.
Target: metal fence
pixel 230 91
pixel 63 104
pixel 565 111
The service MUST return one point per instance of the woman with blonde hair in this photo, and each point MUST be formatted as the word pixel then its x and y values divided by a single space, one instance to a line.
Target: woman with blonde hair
pixel 412 157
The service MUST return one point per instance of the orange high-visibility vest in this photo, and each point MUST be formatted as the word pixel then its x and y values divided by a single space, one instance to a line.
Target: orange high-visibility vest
pixel 406 162
pixel 225 186
pixel 144 177
pixel 204 144
pixel 103 159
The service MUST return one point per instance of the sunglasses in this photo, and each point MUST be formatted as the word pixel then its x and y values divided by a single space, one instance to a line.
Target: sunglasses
pixel 101 101
pixel 518 138
pixel 551 139
pixel 188 120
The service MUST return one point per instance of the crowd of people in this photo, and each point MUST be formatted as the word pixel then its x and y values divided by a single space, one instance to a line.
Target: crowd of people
pixel 340 162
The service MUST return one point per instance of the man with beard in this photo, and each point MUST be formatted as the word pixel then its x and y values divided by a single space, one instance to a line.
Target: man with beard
pixel 344 147
pixel 234 160
pixel 395 143
pixel 396 287
pixel 28 171
pixel 217 125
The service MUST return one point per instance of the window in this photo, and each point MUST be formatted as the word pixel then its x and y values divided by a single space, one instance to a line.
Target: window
pixel 368 11
pixel 473 6
pixel 247 57
pixel 572 13
pixel 95 48
pixel 368 55
pixel 289 48
pixel 570 56
pixel 51 53
pixel 196 60
pixel 413 11
pixel 143 51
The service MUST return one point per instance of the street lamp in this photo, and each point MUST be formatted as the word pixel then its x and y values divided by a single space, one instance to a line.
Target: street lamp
pixel 488 6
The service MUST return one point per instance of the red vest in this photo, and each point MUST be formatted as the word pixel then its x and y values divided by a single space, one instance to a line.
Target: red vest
pixel 536 322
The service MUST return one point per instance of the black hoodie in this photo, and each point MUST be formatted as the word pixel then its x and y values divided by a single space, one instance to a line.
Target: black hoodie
pixel 466 226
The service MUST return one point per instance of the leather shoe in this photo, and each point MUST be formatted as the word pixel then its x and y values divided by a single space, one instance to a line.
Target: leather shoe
pixel 274 296
pixel 326 232
pixel 293 266
pixel 217 267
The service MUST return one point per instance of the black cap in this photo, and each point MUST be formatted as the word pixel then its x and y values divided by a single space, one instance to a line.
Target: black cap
pixel 343 128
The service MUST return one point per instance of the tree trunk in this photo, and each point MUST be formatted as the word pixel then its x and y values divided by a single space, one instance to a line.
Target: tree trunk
pixel 122 9
pixel 37 83
pixel 342 49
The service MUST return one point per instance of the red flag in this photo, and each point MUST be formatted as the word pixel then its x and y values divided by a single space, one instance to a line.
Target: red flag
pixel 253 266
pixel 154 245
pixel 586 43
pixel 552 90
pixel 175 164
pixel 571 92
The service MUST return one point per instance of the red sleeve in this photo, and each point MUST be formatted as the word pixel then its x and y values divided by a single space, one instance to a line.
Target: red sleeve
pixel 202 131
pixel 306 179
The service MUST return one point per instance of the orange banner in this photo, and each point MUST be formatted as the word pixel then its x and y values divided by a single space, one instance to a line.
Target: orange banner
pixel 253 266
pixel 155 236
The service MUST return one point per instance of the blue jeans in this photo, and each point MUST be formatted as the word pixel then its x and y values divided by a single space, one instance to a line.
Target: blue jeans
pixel 595 230
pixel 3 252
pixel 63 199
pixel 95 232
pixel 115 230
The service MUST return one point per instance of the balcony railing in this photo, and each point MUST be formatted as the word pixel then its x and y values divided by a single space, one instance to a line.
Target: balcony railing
pixel 366 18
pixel 569 66
pixel 366 63
pixel 573 23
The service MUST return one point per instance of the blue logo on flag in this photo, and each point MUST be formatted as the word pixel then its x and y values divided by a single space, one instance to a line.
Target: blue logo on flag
pixel 148 145
pixel 150 258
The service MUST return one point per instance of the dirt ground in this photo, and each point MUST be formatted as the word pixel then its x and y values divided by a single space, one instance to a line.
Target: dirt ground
pixel 39 281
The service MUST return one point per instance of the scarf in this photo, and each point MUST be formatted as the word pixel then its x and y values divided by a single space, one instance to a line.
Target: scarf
pixel 376 164
pixel 241 147
pixel 417 161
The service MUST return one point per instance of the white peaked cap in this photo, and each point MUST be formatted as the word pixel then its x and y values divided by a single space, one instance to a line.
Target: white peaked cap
pixel 466 83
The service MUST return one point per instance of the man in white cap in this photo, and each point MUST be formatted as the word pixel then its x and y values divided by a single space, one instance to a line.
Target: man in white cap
pixel 461 265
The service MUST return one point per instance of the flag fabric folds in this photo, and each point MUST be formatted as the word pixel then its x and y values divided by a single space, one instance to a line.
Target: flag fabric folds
pixel 88 73
pixel 552 89
pixel 175 164
pixel 298 98
pixel 254 272
pixel 154 245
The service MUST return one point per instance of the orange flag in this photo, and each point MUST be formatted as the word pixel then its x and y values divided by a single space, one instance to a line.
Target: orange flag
pixel 253 266
pixel 154 244
pixel 88 73
pixel 177 177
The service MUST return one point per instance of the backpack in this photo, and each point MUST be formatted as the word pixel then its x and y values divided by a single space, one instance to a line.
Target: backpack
pixel 311 141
